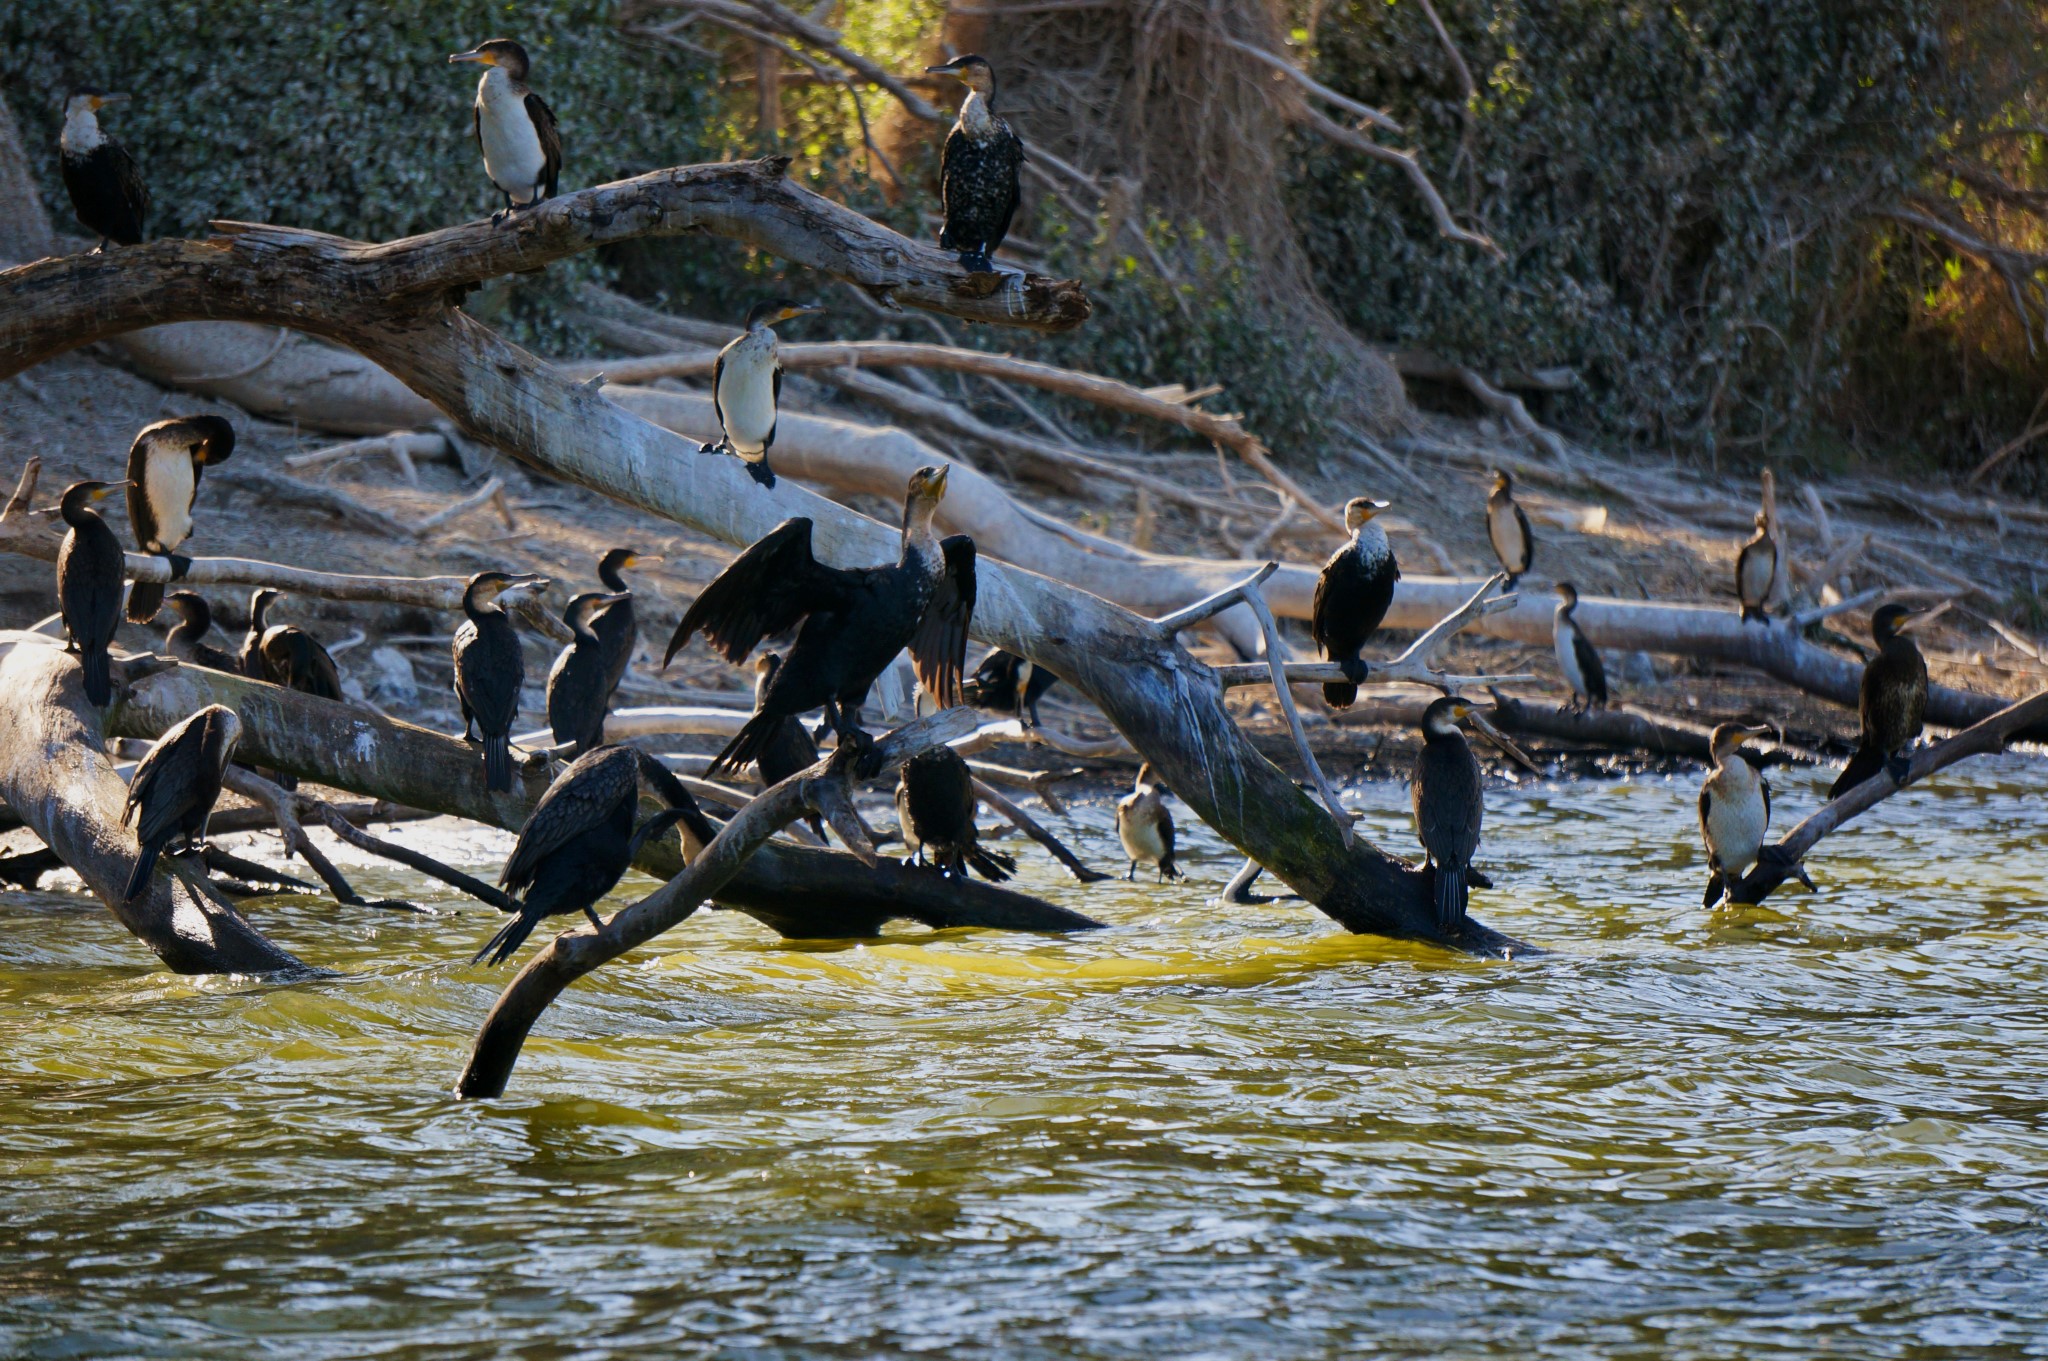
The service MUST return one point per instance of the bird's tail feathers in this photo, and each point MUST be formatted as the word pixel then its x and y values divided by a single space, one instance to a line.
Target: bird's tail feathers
pixel 994 866
pixel 138 878
pixel 506 943
pixel 1867 762
pixel 746 745
pixel 498 763
pixel 1717 888
pixel 1340 694
pixel 145 598
pixel 1451 895
pixel 99 676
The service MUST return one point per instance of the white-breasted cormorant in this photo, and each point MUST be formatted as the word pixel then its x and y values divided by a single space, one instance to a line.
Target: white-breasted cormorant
pixel 1449 796
pixel 516 132
pixel 617 625
pixel 854 620
pixel 186 640
pixel 935 806
pixel 1352 595
pixel 1507 529
pixel 978 169
pixel 1892 702
pixel 1576 656
pixel 164 467
pixel 746 388
pixel 106 189
pixel 1006 683
pixel 1145 826
pixel 1735 810
pixel 1756 571
pixel 489 669
pixel 173 789
pixel 89 565
pixel 579 691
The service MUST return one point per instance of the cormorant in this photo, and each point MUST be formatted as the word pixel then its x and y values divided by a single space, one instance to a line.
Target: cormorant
pixel 978 169
pixel 521 144
pixel 746 388
pixel 1352 595
pixel 106 189
pixel 249 659
pixel 89 585
pixel 790 747
pixel 1575 656
pixel 1145 827
pixel 1507 529
pixel 1735 810
pixel 576 844
pixel 579 695
pixel 1892 701
pixel 291 657
pixel 174 787
pixel 855 620
pixel 935 807
pixel 164 467
pixel 617 625
pixel 185 640
pixel 1449 796
pixel 489 670
pixel 1005 683
pixel 1756 569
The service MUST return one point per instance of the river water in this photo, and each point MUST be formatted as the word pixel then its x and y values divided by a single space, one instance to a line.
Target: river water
pixel 1813 1131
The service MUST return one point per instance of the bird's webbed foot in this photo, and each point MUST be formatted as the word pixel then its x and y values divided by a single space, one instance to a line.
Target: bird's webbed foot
pixel 1899 768
pixel 595 920
pixel 1354 669
pixel 867 762
pixel 976 262
pixel 716 446
pixel 180 565
pixel 761 473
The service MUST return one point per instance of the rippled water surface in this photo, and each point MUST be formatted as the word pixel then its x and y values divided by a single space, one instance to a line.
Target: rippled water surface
pixel 1209 1131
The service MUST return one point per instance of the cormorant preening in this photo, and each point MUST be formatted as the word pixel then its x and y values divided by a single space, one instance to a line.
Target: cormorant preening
pixel 522 146
pixel 1507 529
pixel 106 189
pixel 1576 657
pixel 489 670
pixel 746 388
pixel 789 748
pixel 617 626
pixel 1756 570
pixel 1352 595
pixel 164 467
pixel 1449 796
pixel 1005 683
pixel 855 620
pixel 1735 810
pixel 1145 827
pixel 185 640
pixel 579 691
pixel 174 787
pixel 1893 700
pixel 285 654
pixel 935 808
pixel 89 585
pixel 978 169
pixel 576 844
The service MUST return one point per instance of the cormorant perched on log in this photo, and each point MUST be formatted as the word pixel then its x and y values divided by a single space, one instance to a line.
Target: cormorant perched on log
pixel 1005 683
pixel 855 620
pixel 106 189
pixel 789 747
pixel 1145 826
pixel 516 132
pixel 746 388
pixel 1576 657
pixel 576 844
pixel 164 467
pixel 1507 529
pixel 579 691
pixel 1449 796
pixel 186 638
pixel 1352 595
pixel 489 670
pixel 935 808
pixel 174 787
pixel 1756 570
pixel 285 654
pixel 1735 810
pixel 617 626
pixel 249 659
pixel 978 169
pixel 89 567
pixel 1892 702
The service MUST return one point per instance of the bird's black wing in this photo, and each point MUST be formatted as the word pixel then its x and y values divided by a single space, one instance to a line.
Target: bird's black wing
pixel 1316 614
pixel 139 518
pixel 129 177
pixel 1590 667
pixel 550 135
pixel 769 443
pixel 1766 786
pixel 166 781
pixel 717 389
pixel 1706 807
pixel 1528 537
pixel 766 590
pixel 938 650
pixel 581 798
pixel 1006 156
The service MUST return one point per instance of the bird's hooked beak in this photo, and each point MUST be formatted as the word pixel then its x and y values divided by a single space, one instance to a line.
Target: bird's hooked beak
pixel 1920 619
pixel 807 309
pixel 101 101
pixel 475 54
pixel 643 560
pixel 103 491
pixel 524 585
pixel 948 68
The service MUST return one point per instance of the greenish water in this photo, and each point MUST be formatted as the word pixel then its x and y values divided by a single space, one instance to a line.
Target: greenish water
pixel 1207 1132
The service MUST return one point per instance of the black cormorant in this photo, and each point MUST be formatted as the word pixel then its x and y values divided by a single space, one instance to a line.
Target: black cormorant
pixel 1756 571
pixel 1507 529
pixel 617 625
pixel 174 787
pixel 978 169
pixel 106 189
pixel 1145 826
pixel 1005 683
pixel 521 144
pixel 89 565
pixel 1449 796
pixel 249 659
pixel 489 670
pixel 935 808
pixel 746 388
pixel 855 620
pixel 1576 657
pixel 291 657
pixel 579 695
pixel 1352 595
pixel 186 640
pixel 164 467
pixel 1735 810
pixel 1893 700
